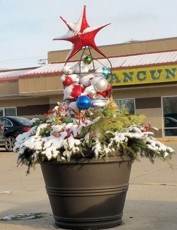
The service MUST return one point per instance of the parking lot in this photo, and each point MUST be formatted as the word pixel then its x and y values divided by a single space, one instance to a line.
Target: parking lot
pixel 151 200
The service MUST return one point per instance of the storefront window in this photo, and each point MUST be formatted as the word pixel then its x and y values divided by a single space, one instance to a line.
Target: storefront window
pixel 170 116
pixel 1 112
pixel 126 104
pixel 9 111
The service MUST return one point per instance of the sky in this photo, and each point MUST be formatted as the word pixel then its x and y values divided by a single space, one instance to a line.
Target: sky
pixel 28 27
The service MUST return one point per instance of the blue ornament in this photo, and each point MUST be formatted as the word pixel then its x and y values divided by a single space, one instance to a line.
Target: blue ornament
pixel 83 102
pixel 106 71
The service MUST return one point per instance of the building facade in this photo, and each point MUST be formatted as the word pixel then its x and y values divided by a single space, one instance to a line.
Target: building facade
pixel 145 83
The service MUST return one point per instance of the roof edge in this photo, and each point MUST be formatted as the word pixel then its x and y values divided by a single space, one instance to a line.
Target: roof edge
pixel 124 43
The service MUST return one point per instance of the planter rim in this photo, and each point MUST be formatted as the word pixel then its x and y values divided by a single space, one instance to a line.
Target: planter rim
pixel 90 161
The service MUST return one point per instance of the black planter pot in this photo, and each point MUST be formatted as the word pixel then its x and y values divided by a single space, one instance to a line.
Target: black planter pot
pixel 89 194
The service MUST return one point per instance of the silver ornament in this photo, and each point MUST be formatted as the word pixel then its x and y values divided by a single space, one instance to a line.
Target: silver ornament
pixel 99 102
pixel 75 78
pixel 73 107
pixel 101 84
pixel 90 90
pixel 86 79
pixel 67 92
pixel 80 68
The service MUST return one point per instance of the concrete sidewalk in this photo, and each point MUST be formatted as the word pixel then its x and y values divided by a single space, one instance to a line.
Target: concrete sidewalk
pixel 151 202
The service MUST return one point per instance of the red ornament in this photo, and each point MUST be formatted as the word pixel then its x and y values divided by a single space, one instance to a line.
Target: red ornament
pixel 76 91
pixel 81 35
pixel 109 90
pixel 106 93
pixel 68 81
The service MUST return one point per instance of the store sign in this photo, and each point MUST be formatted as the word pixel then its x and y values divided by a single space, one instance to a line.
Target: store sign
pixel 145 75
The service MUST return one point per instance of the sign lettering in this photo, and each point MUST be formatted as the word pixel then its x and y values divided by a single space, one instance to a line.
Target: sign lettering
pixel 145 75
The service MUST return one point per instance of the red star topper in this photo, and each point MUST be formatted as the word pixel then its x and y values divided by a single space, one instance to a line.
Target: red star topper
pixel 81 35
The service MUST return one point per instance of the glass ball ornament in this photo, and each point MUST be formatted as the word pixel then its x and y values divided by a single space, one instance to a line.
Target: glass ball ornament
pixel 83 102
pixel 73 107
pixel 86 79
pixel 99 102
pixel 76 90
pixel 107 92
pixel 106 71
pixel 80 68
pixel 68 81
pixel 75 77
pixel 90 90
pixel 101 84
pixel 73 91
pixel 87 59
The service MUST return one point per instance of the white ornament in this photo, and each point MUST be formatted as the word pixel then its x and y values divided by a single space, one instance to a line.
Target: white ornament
pixel 76 68
pixel 101 84
pixel 80 68
pixel 85 68
pixel 67 92
pixel 90 90
pixel 86 79
pixel 63 77
pixel 99 102
pixel 96 77
pixel 67 69
pixel 74 77
pixel 73 107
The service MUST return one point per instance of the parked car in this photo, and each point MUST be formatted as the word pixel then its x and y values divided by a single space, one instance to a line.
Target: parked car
pixel 170 126
pixel 10 128
pixel 170 122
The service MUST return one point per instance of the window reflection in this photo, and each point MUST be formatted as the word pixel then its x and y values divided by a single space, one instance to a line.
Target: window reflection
pixel 170 116
pixel 126 104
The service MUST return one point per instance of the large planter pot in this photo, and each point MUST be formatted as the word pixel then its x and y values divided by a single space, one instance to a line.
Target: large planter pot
pixel 88 194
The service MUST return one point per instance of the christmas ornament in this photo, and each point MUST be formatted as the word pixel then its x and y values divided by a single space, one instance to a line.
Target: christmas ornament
pixel 63 77
pixel 86 79
pixel 100 84
pixel 90 91
pixel 110 78
pixel 67 92
pixel 106 71
pixel 75 78
pixel 87 60
pixel 79 68
pixel 76 90
pixel 81 35
pixel 83 102
pixel 86 68
pixel 67 81
pixel 76 68
pixel 73 91
pixel 107 92
pixel 99 102
pixel 82 81
pixel 73 107
pixel 96 77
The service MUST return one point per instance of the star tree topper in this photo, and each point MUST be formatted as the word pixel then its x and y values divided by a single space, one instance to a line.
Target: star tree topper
pixel 81 35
